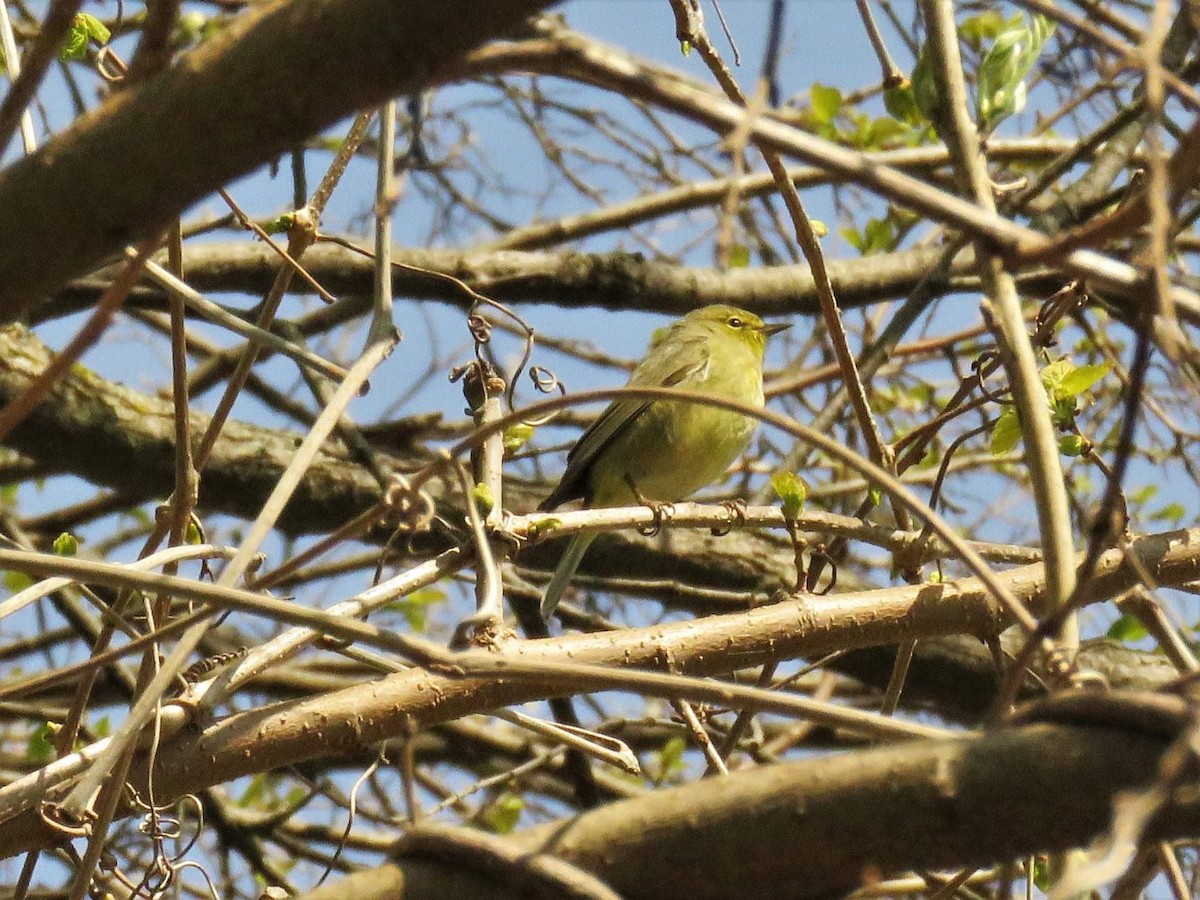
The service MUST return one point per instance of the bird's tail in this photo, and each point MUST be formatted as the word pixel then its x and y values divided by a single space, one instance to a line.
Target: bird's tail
pixel 565 572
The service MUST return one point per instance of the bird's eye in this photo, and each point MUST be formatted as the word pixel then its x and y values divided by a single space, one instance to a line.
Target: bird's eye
pixel 734 322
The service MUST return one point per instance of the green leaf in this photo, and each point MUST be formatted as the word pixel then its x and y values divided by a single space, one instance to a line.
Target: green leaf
pixel 1007 432
pixel 792 490
pixel 1143 494
pixel 1128 629
pixel 193 534
pixel 882 133
pixel 924 85
pixel 739 256
pixel 983 27
pixel 96 29
pixel 1172 512
pixel 260 792
pixel 1000 82
pixel 1053 375
pixel 39 749
pixel 670 759
pixel 502 815
pixel 485 501
pixel 901 104
pixel 195 27
pixel 516 437
pixel 825 104
pixel 820 229
pixel 881 236
pixel 1071 444
pixel 415 606
pixel 75 46
pixel 17 581
pixel 191 24
pixel 545 526
pixel 685 47
pixel 1080 379
pixel 281 224
pixel 1042 878
pixel 853 238
pixel 66 544
pixel 875 495
pixel 85 29
pixel 1062 412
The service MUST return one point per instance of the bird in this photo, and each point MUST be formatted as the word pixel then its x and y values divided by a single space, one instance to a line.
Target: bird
pixel 660 451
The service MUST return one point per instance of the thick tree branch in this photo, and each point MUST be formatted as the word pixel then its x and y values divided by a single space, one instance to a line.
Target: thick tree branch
pixel 822 827
pixel 613 280
pixel 112 435
pixel 234 103
pixel 955 677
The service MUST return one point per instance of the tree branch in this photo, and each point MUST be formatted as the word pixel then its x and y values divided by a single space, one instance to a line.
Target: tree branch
pixel 570 279
pixel 229 106
pixel 958 803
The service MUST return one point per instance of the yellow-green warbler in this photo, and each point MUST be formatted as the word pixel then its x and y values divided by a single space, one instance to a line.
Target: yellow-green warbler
pixel 663 450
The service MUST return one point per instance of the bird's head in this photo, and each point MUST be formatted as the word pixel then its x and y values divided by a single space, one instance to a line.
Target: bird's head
pixel 735 324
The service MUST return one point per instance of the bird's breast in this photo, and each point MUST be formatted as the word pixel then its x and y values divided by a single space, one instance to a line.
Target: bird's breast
pixel 674 449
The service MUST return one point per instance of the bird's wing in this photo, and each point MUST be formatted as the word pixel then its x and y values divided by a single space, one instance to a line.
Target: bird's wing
pixel 688 359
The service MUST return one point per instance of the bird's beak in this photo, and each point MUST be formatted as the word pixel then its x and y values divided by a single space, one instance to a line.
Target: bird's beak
pixel 770 328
